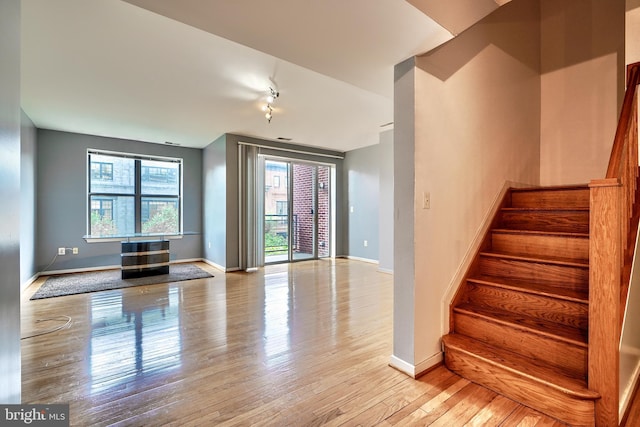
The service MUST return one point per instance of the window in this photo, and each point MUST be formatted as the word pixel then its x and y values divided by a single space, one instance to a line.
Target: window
pixel 159 174
pixel 102 207
pixel 102 171
pixel 281 207
pixel 133 194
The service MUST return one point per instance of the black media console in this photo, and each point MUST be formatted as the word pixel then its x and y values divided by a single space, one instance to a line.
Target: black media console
pixel 144 258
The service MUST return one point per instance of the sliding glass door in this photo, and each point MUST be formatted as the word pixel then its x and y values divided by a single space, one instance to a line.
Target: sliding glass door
pixel 297 210
pixel 325 209
pixel 276 211
pixel 304 217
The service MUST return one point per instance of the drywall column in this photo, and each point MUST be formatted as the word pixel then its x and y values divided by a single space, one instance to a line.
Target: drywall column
pixel 214 184
pixel 403 357
pixel 385 214
pixel 28 205
pixel 10 379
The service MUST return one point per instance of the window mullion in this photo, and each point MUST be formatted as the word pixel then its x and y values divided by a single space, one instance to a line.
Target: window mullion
pixel 138 196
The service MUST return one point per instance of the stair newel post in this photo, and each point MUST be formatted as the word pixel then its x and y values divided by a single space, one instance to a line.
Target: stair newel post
pixel 605 254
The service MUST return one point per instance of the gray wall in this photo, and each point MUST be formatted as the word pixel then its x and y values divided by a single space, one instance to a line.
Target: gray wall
pixel 361 207
pixel 214 165
pixel 10 191
pixel 62 199
pixel 28 206
pixel 368 183
pixel 225 150
pixel 385 224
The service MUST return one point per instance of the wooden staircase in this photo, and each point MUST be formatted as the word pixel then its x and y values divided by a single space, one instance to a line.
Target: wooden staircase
pixel 520 320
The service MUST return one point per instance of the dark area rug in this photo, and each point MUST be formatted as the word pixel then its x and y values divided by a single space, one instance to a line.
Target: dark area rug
pixel 79 283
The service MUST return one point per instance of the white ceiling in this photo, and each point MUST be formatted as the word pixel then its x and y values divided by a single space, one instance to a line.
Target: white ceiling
pixel 118 69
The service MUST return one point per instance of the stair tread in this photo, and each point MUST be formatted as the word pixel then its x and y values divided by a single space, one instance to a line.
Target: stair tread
pixel 538 259
pixel 522 366
pixel 531 287
pixel 545 209
pixel 568 334
pixel 551 188
pixel 541 233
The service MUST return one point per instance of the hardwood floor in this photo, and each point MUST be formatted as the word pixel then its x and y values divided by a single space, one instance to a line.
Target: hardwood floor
pixel 303 344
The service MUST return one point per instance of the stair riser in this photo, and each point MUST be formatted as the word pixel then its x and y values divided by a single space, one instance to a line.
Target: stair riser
pixel 571 358
pixel 575 278
pixel 563 222
pixel 535 395
pixel 574 248
pixel 560 311
pixel 551 199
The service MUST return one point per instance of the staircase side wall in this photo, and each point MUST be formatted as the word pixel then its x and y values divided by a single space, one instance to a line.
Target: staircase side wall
pixel 582 84
pixel 477 115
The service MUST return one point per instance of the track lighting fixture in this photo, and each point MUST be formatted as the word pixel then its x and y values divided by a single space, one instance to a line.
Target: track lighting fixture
pixel 268 109
pixel 269 113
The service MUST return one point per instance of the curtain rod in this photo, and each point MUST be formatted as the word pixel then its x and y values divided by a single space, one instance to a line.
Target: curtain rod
pixel 134 156
pixel 290 150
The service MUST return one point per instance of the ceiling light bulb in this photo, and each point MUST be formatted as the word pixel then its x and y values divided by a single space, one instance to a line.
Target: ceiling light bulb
pixel 265 107
pixel 268 115
pixel 270 99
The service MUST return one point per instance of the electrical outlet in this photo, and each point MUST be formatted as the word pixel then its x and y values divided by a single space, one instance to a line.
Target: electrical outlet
pixel 61 251
pixel 75 251
pixel 366 243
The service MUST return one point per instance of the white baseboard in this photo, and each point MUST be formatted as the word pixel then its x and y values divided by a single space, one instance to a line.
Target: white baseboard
pixel 100 268
pixel 385 270
pixel 79 270
pixel 219 267
pixel 626 390
pixel 625 399
pixel 185 260
pixel 402 366
pixel 28 283
pixel 414 371
pixel 355 258
pixel 429 363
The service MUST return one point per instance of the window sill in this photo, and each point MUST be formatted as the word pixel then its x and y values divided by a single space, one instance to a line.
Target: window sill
pixel 135 237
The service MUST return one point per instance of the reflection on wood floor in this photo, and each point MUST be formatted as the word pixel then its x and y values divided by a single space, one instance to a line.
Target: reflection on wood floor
pixel 302 344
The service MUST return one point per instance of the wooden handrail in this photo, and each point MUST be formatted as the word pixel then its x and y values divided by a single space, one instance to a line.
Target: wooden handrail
pixel 623 165
pixel 613 226
pixel 615 161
